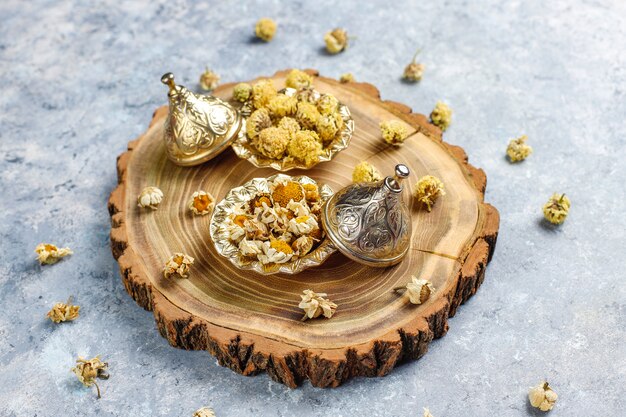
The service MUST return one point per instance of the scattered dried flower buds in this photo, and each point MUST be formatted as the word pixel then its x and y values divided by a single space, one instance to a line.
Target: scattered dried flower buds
pixel 542 396
pixel 298 79
pixel 314 305
pixel 209 80
pixel 441 116
pixel 150 197
pixel 414 71
pixel 336 40
pixel 394 132
pixel 201 203
pixel 427 413
pixel 346 78
pixel 88 370
pixel 178 264
pixel 61 312
pixel 265 29
pixel 419 290
pixel 518 150
pixel 48 254
pixel 365 172
pixel 427 190
pixel 556 209
pixel 242 92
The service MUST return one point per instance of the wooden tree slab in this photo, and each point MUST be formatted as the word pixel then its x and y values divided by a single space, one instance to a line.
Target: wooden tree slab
pixel 251 323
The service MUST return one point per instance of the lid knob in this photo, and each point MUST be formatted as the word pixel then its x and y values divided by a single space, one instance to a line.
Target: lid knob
pixel 198 127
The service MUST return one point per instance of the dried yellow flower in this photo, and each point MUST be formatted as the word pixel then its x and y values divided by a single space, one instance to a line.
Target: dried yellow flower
pixel 262 92
pixel 265 29
pixel 201 203
pixel 306 95
pixel 427 190
pixel 272 142
pixel 298 79
pixel 242 92
pixel 283 193
pixel 542 396
pixel 179 264
pixel 427 413
pixel 441 116
pixel 290 124
pixel 394 132
pixel 259 119
pixel 314 305
pixel 414 71
pixel 327 104
pixel 49 254
pixel 336 40
pixel 204 412
pixel 150 197
pixel 88 370
pixel 209 80
pixel 365 172
pixel 556 209
pixel 305 147
pixel 307 115
pixel 328 125
pixel 346 78
pixel 61 312
pixel 419 290
pixel 311 192
pixel 518 150
pixel 282 105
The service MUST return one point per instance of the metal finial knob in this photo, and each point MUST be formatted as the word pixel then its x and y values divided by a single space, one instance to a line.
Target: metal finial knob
pixel 168 79
pixel 402 171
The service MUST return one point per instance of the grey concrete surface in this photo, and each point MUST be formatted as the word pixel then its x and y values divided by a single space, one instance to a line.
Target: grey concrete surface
pixel 80 79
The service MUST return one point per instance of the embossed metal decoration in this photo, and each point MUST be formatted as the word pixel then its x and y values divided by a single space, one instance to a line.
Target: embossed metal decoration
pixel 198 127
pixel 242 195
pixel 369 222
pixel 244 149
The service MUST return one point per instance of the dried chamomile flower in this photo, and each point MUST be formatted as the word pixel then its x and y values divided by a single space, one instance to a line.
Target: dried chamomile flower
pixel 336 40
pixel 272 142
pixel 306 147
pixel 306 95
pixel 303 225
pixel 518 150
pixel 556 209
pixel 204 412
pixel 265 29
pixel 414 71
pixel 284 193
pixel 259 119
pixel 427 190
pixel 394 132
pixel 250 247
pixel 365 172
pixel 179 264
pixel 209 80
pixel 314 305
pixel 298 79
pixel 419 290
pixel 307 115
pixel 262 92
pixel 328 125
pixel 427 413
pixel 201 203
pixel 303 245
pixel 242 92
pixel 542 396
pixel 275 251
pixel 48 254
pixel 282 105
pixel 441 116
pixel 88 370
pixel 312 192
pixel 150 197
pixel 61 312
pixel 327 104
pixel 346 78
pixel 290 124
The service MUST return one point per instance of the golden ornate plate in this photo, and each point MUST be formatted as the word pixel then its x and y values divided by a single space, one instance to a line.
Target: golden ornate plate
pixel 238 196
pixel 244 149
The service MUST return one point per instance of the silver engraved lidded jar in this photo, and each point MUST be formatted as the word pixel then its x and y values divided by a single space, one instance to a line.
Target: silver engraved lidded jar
pixel 369 222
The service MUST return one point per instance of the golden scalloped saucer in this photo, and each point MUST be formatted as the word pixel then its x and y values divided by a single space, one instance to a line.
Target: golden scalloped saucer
pixel 241 195
pixel 244 149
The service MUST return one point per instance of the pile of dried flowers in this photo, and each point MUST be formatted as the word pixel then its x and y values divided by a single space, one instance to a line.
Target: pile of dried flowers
pixel 279 226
